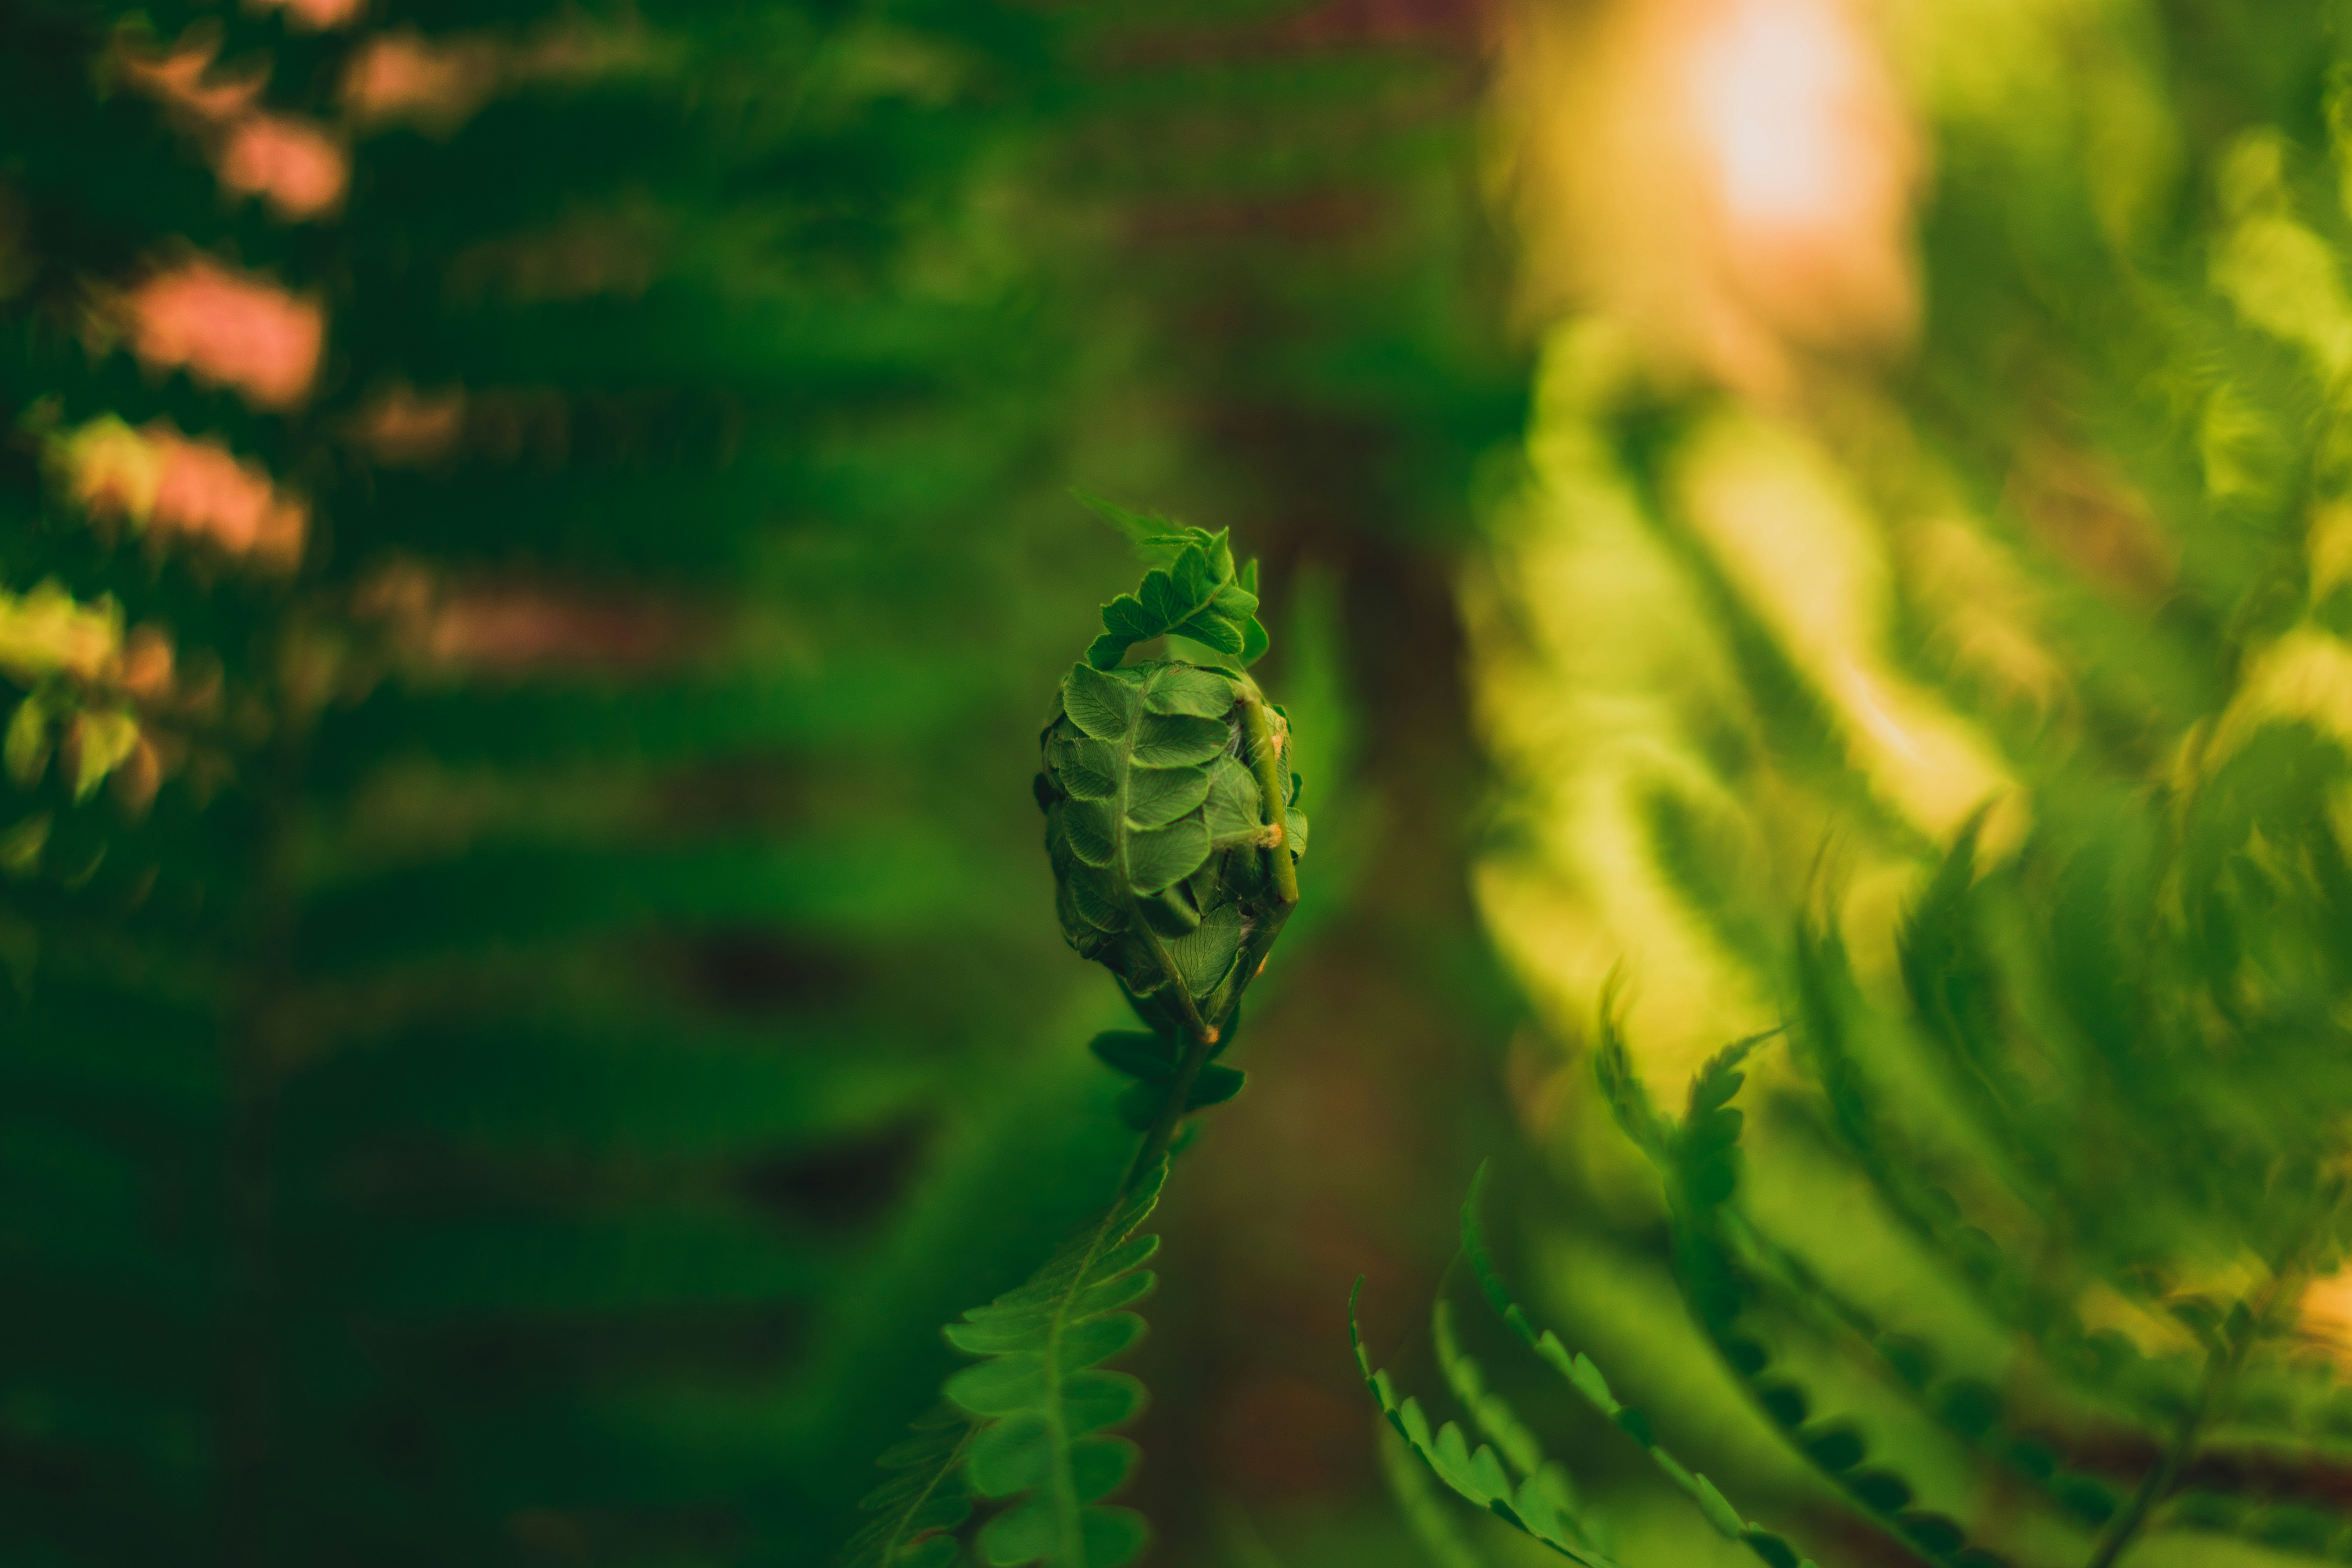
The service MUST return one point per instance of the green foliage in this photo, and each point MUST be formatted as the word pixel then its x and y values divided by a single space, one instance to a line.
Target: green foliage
pixel 1198 596
pixel 517 1039
pixel 1164 791
pixel 2057 1078
pixel 455 1109
pixel 1035 1416
pixel 1172 810
pixel 2012 780
pixel 1538 1504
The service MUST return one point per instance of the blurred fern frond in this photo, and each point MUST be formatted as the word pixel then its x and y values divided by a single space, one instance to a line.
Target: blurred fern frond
pixel 1966 696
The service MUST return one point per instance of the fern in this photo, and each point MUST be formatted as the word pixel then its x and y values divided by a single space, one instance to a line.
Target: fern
pixel 1172 810
pixel 1533 1506
pixel 1422 1505
pixel 927 1498
pixel 1590 1384
pixel 2001 755
pixel 1492 1413
pixel 1045 1403
pixel 1174 833
pixel 1703 1167
pixel 1034 1415
pixel 1544 1504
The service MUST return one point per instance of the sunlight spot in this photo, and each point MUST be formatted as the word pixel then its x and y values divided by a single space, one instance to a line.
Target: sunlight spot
pixel 228 329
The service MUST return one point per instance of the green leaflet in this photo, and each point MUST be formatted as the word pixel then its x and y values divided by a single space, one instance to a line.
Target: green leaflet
pixel 1587 1379
pixel 1197 595
pixel 1700 1160
pixel 1204 956
pixel 1158 796
pixel 1101 705
pixel 1139 1104
pixel 925 1499
pixel 1154 1061
pixel 1162 856
pixel 1232 805
pixel 1178 740
pixel 1150 1057
pixel 1042 1407
pixel 1423 1506
pixel 1475 1474
pixel 1491 1413
pixel 1186 688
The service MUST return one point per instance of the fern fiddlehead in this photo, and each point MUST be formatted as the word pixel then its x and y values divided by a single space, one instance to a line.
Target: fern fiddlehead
pixel 1173 826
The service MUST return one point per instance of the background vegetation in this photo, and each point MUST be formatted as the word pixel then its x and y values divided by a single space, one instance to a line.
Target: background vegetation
pixel 536 544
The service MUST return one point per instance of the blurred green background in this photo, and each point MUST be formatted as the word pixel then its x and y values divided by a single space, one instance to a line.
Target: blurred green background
pixel 536 539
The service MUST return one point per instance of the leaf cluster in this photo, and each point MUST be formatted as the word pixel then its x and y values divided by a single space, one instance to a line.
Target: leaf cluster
pixel 1030 1425
pixel 1198 594
pixel 1173 815
pixel 1543 1503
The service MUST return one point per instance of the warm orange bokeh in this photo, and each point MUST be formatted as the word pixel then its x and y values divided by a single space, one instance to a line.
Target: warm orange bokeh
pixel 185 80
pixel 209 493
pixel 291 164
pixel 167 484
pixel 314 15
pixel 296 166
pixel 434 85
pixel 228 329
pixel 401 428
pixel 1732 178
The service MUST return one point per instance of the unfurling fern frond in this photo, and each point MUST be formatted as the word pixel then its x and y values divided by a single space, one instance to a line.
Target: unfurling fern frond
pixel 1172 824
pixel 1171 810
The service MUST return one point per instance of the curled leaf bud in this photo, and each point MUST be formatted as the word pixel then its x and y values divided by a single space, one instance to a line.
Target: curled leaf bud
pixel 1170 806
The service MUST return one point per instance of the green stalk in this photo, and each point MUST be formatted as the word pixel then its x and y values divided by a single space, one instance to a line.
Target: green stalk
pixel 1171 1111
pixel 1263 759
pixel 2222 1365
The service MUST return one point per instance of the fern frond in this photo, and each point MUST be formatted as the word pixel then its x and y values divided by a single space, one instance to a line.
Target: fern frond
pixel 1489 1411
pixel 1703 1174
pixel 1477 1475
pixel 1967 1408
pixel 1199 596
pixel 1173 826
pixel 1424 1511
pixel 1043 1404
pixel 923 1502
pixel 1587 1381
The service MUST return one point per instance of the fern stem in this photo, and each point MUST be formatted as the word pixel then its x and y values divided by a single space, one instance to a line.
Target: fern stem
pixel 1069 1520
pixel 2220 1366
pixel 1264 760
pixel 1171 1111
